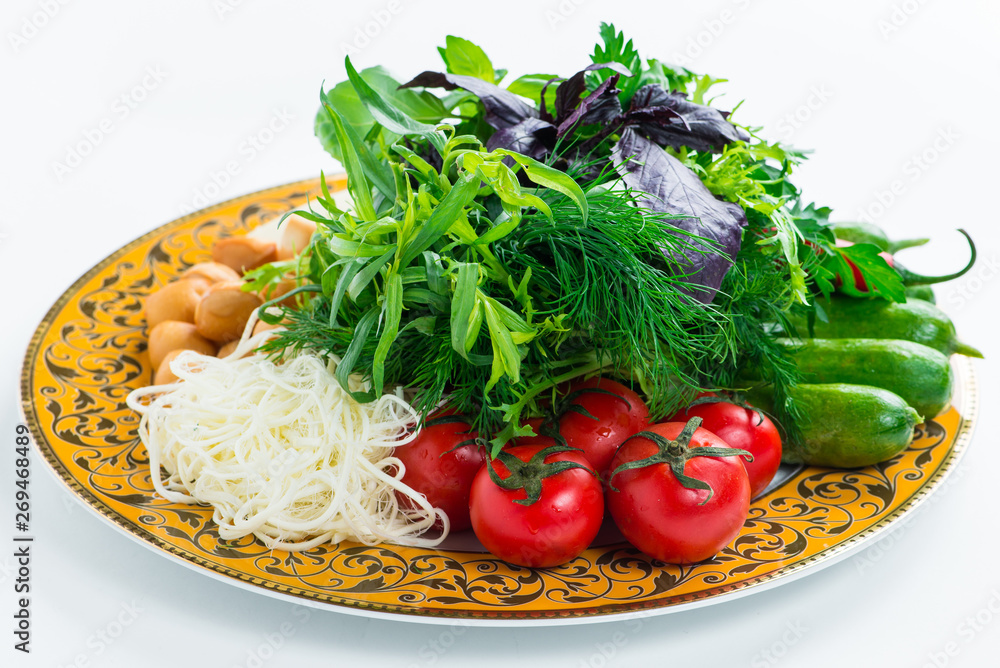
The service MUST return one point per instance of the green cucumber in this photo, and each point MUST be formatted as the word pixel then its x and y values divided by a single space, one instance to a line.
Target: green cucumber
pixel 915 320
pixel 924 292
pixel 920 375
pixel 866 233
pixel 844 426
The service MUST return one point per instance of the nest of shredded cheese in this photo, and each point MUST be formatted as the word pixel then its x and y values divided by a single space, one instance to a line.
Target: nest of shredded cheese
pixel 282 451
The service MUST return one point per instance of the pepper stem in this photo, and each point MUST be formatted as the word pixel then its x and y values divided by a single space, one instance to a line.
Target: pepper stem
pixel 896 246
pixel 911 278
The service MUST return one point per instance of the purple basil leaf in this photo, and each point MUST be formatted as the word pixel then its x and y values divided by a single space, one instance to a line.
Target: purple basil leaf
pixel 503 108
pixel 654 116
pixel 569 91
pixel 668 186
pixel 544 112
pixel 696 126
pixel 600 106
pixel 532 137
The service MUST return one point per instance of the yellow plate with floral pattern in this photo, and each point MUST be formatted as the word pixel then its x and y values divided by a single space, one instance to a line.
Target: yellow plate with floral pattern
pixel 90 351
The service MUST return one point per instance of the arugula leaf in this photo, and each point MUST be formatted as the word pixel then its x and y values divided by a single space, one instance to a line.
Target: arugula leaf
pixel 463 57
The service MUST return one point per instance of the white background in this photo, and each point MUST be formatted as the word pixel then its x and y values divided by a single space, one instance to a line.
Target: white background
pixel 871 85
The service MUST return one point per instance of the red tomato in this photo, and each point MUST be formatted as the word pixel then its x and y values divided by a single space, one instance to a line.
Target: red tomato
pixel 742 428
pixel 439 470
pixel 551 531
pixel 666 519
pixel 620 412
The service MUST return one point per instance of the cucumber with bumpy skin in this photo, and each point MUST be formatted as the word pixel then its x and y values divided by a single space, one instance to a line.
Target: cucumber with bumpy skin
pixel 844 426
pixel 920 375
pixel 915 320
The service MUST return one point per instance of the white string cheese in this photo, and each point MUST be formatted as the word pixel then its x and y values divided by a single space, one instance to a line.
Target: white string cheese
pixel 282 451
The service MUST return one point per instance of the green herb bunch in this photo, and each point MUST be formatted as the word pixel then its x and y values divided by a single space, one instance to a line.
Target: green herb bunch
pixel 493 251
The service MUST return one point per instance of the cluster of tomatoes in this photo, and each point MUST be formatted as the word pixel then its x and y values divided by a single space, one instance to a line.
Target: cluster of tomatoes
pixel 678 490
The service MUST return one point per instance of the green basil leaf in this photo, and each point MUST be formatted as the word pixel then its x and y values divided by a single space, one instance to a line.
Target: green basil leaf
pixel 422 106
pixel 463 57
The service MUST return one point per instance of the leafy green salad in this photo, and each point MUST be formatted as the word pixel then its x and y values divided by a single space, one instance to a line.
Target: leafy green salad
pixel 510 234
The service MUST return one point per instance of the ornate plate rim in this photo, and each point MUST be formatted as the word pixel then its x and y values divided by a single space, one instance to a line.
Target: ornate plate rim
pixel 966 398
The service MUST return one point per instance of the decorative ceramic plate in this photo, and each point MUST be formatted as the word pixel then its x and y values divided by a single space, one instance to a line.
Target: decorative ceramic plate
pixel 90 351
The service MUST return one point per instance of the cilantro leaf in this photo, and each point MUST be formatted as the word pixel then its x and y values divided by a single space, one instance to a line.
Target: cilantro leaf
pixel 880 277
pixel 613 48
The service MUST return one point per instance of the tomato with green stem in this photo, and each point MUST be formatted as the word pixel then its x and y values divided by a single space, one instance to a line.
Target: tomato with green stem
pixel 537 506
pixel 678 492
pixel 740 426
